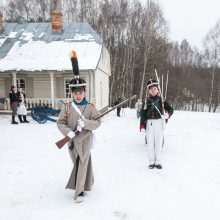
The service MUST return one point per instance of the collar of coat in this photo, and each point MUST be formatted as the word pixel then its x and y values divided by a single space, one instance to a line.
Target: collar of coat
pixel 84 102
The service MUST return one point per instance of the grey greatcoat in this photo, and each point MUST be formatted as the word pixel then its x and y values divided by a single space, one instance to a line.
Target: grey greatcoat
pixel 81 178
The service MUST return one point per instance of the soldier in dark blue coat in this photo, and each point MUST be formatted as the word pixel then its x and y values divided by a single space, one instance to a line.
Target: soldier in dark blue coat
pixel 119 108
pixel 154 115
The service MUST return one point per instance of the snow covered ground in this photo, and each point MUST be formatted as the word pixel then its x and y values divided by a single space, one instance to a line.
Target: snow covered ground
pixel 34 173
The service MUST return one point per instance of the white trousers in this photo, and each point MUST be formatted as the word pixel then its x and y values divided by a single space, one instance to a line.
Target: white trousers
pixel 22 110
pixel 155 133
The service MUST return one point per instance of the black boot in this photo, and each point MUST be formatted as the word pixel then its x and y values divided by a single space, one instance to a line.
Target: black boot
pixel 25 119
pixel 158 166
pixel 20 119
pixel 81 194
pixel 13 121
pixel 151 166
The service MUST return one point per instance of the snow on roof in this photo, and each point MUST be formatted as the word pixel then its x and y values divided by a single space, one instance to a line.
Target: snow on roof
pixel 2 41
pixel 34 47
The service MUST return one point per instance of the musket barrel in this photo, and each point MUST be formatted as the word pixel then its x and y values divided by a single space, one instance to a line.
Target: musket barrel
pixel 65 140
pixel 161 94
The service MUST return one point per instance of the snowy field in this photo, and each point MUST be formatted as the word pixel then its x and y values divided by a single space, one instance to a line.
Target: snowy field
pixel 34 173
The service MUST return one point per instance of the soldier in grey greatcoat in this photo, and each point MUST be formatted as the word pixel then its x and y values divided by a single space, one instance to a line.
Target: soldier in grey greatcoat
pixel 76 122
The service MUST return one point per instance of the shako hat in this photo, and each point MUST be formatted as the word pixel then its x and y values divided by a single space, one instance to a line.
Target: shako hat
pixel 77 83
pixel 152 82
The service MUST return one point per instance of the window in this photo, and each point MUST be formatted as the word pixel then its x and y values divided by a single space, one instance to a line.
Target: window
pixel 22 83
pixel 66 88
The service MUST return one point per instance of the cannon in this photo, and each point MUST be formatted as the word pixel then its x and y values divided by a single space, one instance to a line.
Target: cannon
pixel 41 113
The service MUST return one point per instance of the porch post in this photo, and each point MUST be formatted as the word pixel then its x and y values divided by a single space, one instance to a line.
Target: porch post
pixel 92 87
pixel 52 88
pixel 14 79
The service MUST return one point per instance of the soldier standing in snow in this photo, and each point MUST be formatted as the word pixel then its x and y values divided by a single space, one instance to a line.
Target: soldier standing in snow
pixel 119 108
pixel 22 110
pixel 75 120
pixel 153 122
pixel 13 103
pixel 138 106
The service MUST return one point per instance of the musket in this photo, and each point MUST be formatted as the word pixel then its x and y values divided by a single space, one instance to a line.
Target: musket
pixel 161 94
pixel 166 85
pixel 64 140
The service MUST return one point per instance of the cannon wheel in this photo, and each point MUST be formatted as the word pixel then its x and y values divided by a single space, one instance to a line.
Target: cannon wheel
pixel 39 114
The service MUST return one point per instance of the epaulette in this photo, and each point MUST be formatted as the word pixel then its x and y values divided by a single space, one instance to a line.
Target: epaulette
pixel 68 103
pixel 91 103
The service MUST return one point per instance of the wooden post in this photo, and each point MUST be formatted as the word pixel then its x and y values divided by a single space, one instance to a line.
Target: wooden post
pixel 14 78
pixel 52 88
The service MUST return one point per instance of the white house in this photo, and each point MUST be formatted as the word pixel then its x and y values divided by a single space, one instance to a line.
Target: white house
pixel 35 56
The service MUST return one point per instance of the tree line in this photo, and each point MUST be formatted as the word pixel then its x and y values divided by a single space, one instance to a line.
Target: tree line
pixel 136 36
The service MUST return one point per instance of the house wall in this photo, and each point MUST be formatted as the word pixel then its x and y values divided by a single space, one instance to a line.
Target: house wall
pixel 29 87
pixel 5 84
pixel 2 87
pixel 8 81
pixel 38 84
pixel 59 91
pixel 104 62
pixel 101 89
pixel 101 76
pixel 41 87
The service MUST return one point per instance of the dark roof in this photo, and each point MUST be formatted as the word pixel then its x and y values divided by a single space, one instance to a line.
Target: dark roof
pixel 34 47
pixel 43 32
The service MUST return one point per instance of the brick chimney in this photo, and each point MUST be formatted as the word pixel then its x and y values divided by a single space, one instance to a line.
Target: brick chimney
pixel 57 23
pixel 1 21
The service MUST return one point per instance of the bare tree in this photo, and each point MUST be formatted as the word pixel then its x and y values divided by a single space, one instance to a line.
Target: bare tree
pixel 153 27
pixel 212 54
pixel 43 9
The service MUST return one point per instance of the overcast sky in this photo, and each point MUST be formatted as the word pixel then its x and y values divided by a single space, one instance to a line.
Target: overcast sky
pixel 190 19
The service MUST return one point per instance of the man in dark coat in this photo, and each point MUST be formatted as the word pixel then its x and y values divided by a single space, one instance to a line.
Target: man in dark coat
pixel 13 103
pixel 119 108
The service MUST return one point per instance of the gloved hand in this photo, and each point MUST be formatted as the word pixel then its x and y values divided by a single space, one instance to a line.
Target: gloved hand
pixel 79 128
pixel 143 131
pixel 165 116
pixel 81 123
pixel 71 134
